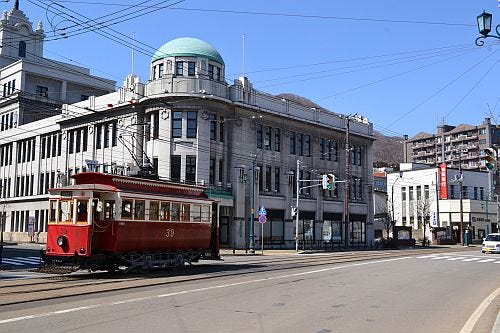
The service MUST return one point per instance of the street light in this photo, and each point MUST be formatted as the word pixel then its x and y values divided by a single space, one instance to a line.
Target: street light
pixel 392 198
pixel 252 218
pixel 484 27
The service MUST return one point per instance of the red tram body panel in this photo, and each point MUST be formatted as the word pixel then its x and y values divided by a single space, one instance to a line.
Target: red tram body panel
pixel 104 221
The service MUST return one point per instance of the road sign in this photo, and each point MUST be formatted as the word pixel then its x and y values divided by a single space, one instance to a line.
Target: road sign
pixel 262 211
pixel 262 218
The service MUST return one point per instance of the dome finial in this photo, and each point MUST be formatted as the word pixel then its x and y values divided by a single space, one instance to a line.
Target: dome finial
pixel 16 5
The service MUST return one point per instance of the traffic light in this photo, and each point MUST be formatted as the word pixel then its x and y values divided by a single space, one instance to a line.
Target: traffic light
pixel 490 157
pixel 328 182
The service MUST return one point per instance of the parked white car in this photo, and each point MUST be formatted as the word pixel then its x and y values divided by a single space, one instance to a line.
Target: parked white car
pixel 491 244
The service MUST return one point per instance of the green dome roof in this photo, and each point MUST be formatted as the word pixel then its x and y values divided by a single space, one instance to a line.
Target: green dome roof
pixel 188 47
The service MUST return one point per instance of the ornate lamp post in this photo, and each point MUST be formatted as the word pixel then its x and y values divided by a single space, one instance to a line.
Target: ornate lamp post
pixel 484 27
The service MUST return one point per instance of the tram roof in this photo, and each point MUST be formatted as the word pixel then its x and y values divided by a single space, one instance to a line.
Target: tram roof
pixel 141 185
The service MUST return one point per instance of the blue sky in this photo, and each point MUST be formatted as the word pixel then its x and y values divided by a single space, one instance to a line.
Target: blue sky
pixel 406 65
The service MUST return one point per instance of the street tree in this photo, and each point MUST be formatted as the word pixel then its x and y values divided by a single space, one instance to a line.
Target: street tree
pixel 423 208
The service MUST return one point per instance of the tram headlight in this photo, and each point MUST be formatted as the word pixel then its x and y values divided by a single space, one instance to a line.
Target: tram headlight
pixel 62 241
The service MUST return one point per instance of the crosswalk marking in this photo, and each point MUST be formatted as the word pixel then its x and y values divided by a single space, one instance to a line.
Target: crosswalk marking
pixel 460 258
pixel 21 261
pixel 486 260
pixel 471 259
pixel 34 260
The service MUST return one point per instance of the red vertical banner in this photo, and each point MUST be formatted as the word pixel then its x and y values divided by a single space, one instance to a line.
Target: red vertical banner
pixel 443 181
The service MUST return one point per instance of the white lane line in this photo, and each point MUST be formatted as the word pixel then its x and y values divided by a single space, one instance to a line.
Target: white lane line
pixel 471 259
pixel 93 306
pixel 426 257
pixel 469 325
pixel 456 258
pixel 443 257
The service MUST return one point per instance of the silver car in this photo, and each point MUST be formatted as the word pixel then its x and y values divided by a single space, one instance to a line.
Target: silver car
pixel 491 244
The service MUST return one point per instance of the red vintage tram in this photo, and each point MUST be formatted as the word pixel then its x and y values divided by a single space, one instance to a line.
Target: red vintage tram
pixel 107 221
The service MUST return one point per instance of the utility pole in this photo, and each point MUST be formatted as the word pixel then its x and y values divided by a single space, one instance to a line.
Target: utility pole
pixel 462 231
pixel 297 192
pixel 347 184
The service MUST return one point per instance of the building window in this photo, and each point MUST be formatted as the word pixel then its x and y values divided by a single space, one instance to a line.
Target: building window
pixel 307 145
pixel 71 142
pixel 78 141
pixel 259 136
pixel 321 149
pixel 177 124
pixel 277 180
pixel 221 170
pixel 292 143
pixel 156 125
pixel 42 91
pixel 191 68
pixel 267 138
pixel 98 137
pixel 160 70
pixel 179 66
pixel 300 144
pixel 211 172
pixel 277 139
pixel 106 135
pixel 268 178
pixel 221 129
pixel 213 126
pixel 218 77
pixel 114 134
pixel 335 151
pixel 175 168
pixel 211 72
pixel 85 139
pixel 22 49
pixel 191 169
pixel 192 124
pixel 359 150
pixel 329 150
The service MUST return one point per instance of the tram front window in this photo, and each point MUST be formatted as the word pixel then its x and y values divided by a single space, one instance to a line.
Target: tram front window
pixel 66 211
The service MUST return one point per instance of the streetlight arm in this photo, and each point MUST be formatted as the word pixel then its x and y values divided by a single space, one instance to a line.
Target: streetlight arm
pixel 480 41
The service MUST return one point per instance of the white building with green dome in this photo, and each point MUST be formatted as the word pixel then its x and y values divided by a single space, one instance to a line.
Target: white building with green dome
pixel 186 123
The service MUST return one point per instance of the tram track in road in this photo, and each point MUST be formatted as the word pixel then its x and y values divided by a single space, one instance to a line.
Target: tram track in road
pixel 15 292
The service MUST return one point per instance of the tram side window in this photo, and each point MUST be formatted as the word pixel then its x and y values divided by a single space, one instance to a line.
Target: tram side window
pixel 175 212
pixel 66 211
pixel 109 209
pixel 205 213
pixel 53 206
pixel 153 210
pixel 127 209
pixel 186 210
pixel 196 213
pixel 140 210
pixel 81 208
pixel 165 211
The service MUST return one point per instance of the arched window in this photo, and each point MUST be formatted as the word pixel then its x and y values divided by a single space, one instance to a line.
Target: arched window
pixel 22 49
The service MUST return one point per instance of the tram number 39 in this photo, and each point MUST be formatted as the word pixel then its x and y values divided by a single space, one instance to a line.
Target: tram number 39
pixel 170 233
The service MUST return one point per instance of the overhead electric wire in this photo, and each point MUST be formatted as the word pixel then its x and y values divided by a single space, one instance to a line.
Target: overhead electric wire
pixel 449 83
